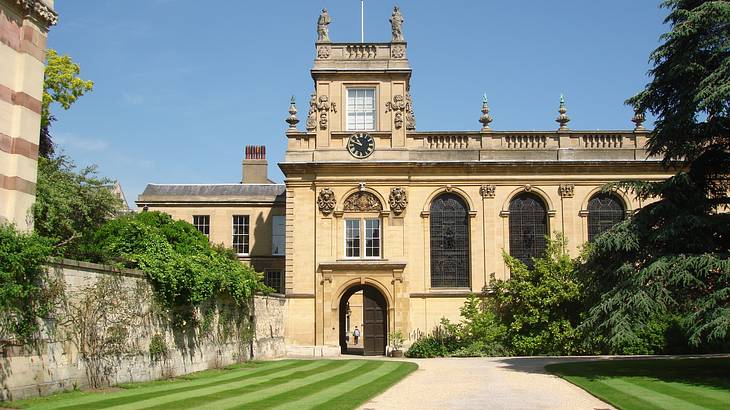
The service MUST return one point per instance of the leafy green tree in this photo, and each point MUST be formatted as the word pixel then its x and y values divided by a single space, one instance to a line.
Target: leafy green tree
pixel 61 85
pixel 672 258
pixel 23 295
pixel 71 204
pixel 540 305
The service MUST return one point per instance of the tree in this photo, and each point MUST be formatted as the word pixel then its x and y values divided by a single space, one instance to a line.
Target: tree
pixel 62 85
pixel 70 204
pixel 672 257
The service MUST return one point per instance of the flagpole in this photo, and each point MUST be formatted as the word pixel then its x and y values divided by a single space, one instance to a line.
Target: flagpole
pixel 362 21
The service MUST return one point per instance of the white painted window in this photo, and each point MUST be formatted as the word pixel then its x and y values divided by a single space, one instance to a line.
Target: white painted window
pixel 352 238
pixel 202 223
pixel 240 234
pixel 361 109
pixel 372 238
pixel 278 235
pixel 355 229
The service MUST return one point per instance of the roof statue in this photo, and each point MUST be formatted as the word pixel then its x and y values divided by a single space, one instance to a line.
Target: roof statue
pixel 396 21
pixel 323 35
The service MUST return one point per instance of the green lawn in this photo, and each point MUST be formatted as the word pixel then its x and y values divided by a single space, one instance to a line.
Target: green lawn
pixel 653 384
pixel 300 384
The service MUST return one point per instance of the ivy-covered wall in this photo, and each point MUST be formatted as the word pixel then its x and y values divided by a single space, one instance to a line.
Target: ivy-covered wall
pixel 109 329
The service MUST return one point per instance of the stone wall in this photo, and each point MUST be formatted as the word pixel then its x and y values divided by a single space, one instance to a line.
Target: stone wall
pixel 56 363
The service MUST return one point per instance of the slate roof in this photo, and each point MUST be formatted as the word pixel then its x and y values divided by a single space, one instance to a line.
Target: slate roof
pixel 213 193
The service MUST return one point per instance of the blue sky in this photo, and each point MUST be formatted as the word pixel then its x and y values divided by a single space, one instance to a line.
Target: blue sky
pixel 182 86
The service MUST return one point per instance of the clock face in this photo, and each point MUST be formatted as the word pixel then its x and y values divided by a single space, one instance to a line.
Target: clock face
pixel 361 145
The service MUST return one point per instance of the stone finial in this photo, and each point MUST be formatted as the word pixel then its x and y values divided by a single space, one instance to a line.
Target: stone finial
pixel 396 22
pixel 292 120
pixel 323 31
pixel 638 120
pixel 563 118
pixel 485 119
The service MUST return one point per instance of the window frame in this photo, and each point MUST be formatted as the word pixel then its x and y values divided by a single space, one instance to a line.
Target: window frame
pixel 246 235
pixel 282 288
pixel 275 235
pixel 512 223
pixel 362 237
pixel 207 224
pixel 434 247
pixel 372 88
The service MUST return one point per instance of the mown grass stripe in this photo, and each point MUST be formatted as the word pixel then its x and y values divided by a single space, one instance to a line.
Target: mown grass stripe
pixel 244 400
pixel 656 398
pixel 312 388
pixel 358 395
pixel 346 388
pixel 124 398
pixel 613 396
pixel 712 393
pixel 694 395
pixel 199 400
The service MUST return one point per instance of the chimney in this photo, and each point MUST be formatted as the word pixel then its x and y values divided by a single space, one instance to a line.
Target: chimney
pixel 255 165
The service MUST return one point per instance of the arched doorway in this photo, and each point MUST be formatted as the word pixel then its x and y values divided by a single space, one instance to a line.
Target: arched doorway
pixel 374 330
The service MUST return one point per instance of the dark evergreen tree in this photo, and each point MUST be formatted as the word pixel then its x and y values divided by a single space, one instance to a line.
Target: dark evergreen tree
pixel 672 258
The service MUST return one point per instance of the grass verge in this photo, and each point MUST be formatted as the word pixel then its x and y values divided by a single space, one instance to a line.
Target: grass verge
pixel 686 383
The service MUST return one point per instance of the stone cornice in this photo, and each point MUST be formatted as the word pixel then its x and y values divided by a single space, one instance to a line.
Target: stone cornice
pixel 39 10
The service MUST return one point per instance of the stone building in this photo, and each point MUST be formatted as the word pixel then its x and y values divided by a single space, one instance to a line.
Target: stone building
pixel 23 32
pixel 410 221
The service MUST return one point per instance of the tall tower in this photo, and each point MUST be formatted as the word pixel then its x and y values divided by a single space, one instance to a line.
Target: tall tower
pixel 23 33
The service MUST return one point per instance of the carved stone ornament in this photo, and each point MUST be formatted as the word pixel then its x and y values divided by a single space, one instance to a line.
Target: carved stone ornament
pixel 312 115
pixel 528 187
pixel 566 190
pixel 324 106
pixel 362 201
pixel 410 115
pixel 398 200
pixel 38 9
pixel 398 51
pixel 323 52
pixel 326 201
pixel 488 190
pixel 398 107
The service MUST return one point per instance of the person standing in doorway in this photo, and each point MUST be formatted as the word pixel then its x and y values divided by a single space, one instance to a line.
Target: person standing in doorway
pixel 356 335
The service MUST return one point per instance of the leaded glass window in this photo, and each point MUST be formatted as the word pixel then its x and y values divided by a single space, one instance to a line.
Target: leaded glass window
pixel 604 211
pixel 527 227
pixel 449 222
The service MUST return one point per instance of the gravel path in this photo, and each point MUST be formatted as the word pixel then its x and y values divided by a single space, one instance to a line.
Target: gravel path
pixel 484 383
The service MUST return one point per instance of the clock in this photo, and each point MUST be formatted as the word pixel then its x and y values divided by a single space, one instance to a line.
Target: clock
pixel 361 145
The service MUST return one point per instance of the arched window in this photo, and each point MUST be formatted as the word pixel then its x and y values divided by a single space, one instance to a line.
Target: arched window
pixel 527 227
pixel 449 221
pixel 604 211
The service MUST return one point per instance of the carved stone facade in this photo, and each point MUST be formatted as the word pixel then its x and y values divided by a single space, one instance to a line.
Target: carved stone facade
pixel 398 106
pixel 324 107
pixel 326 201
pixel 487 190
pixel 362 201
pixel 323 52
pixel 398 200
pixel 566 190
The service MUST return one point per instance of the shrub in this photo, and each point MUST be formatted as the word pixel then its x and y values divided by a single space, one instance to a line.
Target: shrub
pixel 24 298
pixel 540 305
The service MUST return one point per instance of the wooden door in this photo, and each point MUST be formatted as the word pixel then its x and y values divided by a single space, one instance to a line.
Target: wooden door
pixel 375 323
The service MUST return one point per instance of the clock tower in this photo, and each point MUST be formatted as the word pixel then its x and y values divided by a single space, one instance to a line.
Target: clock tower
pixel 361 106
